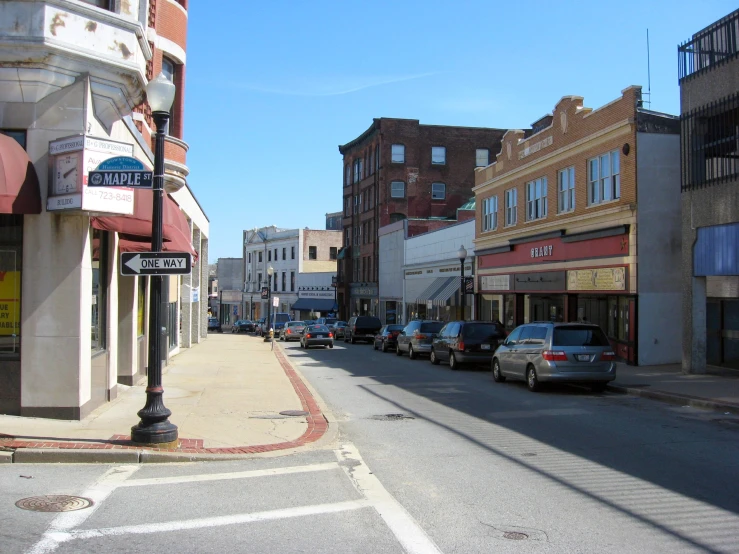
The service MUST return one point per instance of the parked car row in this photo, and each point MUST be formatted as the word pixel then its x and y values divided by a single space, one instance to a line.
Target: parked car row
pixel 536 352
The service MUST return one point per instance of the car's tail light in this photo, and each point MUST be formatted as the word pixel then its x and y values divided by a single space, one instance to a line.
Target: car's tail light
pixel 421 336
pixel 608 356
pixel 308 336
pixel 554 356
pixel 288 331
pixel 461 346
pixel 330 335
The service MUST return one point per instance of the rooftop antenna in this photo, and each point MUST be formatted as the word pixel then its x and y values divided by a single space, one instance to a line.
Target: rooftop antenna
pixel 649 77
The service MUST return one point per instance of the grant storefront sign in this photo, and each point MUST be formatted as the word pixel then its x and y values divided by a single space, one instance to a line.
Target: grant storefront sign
pixel 602 278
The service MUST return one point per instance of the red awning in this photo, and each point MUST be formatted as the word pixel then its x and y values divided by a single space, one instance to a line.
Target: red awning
pixel 19 190
pixel 135 229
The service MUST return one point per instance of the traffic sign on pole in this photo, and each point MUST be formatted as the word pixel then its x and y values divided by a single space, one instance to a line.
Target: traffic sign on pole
pixel 156 263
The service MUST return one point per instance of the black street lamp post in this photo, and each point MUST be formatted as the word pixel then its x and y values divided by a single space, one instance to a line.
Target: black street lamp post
pixel 270 272
pixel 155 427
pixel 462 253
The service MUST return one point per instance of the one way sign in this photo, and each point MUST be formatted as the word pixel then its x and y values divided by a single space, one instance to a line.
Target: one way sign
pixel 156 263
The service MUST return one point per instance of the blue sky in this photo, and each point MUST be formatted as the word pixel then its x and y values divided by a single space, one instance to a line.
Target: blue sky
pixel 274 87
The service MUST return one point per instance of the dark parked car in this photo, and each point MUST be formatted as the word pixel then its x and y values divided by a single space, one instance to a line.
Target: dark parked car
pixel 562 352
pixel 316 335
pixel 363 327
pixel 387 338
pixel 462 342
pixel 214 324
pixel 242 326
pixel 416 337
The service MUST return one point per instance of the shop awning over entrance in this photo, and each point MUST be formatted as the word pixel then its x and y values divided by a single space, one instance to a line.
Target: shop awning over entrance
pixel 19 190
pixel 434 288
pixel 447 291
pixel 135 229
pixel 315 304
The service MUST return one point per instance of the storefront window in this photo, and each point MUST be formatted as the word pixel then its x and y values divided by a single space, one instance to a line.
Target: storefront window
pixel 141 307
pixel 99 288
pixel 490 307
pixel 11 256
pixel 623 320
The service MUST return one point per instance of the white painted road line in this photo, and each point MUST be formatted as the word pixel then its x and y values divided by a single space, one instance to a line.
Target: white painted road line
pixel 102 488
pixel 232 475
pixel 408 532
pixel 220 521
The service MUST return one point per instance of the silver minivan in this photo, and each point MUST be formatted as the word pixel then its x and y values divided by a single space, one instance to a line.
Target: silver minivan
pixel 561 352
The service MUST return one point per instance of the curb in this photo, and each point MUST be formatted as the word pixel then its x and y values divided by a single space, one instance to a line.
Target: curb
pixel 677 399
pixel 116 451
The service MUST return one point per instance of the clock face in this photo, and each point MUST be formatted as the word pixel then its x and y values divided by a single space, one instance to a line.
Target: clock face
pixel 66 174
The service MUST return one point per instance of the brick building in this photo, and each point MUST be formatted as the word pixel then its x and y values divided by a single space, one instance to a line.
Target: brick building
pixel 73 94
pixel 399 169
pixel 709 107
pixel 581 221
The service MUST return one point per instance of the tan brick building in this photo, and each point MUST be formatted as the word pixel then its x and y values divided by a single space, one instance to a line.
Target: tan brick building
pixel 565 214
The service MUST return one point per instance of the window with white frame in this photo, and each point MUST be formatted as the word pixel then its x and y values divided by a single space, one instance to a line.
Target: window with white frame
pixel 511 207
pixel 604 178
pixel 482 157
pixel 566 189
pixel 397 154
pixel 490 214
pixel 536 199
pixel 438 191
pixel 397 189
pixel 438 155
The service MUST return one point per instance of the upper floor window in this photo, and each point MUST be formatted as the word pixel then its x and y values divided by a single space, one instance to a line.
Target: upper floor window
pixel 312 252
pixel 332 252
pixel 347 176
pixel 482 157
pixel 490 214
pixel 284 281
pixel 259 278
pixel 260 258
pixel 347 237
pixel 398 154
pixel 104 4
pixel 357 170
pixel 168 70
pixel 397 189
pixel 377 158
pixel 284 253
pixel 269 255
pixel 438 191
pixel 292 281
pixel 292 252
pixel 566 189
pixel 275 254
pixel 248 257
pixel 438 155
pixel 511 207
pixel 604 178
pixel 536 199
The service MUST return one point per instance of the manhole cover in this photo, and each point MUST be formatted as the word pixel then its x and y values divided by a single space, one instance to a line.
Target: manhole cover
pixel 54 503
pixel 514 536
pixel 294 413
pixel 392 417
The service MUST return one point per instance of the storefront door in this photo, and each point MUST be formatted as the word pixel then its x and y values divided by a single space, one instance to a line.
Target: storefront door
pixel 722 330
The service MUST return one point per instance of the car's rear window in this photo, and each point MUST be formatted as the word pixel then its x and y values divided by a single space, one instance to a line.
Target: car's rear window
pixel 395 327
pixel 580 335
pixel 432 327
pixel 318 328
pixel 483 331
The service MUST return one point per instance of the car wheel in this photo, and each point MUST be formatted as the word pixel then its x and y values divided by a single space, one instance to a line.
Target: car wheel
pixel 384 346
pixel 411 354
pixel 599 386
pixel 331 345
pixel 498 377
pixel 374 345
pixel 352 341
pixel 453 363
pixel 532 381
pixel 398 351
pixel 433 358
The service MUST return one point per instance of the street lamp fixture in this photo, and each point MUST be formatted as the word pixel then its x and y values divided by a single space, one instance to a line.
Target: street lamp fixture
pixel 155 427
pixel 270 272
pixel 462 253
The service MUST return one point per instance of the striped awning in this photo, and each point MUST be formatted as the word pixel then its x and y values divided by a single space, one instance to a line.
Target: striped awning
pixel 444 294
pixel 434 288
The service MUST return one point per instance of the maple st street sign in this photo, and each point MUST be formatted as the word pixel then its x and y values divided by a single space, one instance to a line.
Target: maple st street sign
pixel 156 263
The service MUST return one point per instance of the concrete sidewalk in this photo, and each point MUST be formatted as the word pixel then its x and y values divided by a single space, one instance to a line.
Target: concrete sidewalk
pixel 225 394
pixel 717 390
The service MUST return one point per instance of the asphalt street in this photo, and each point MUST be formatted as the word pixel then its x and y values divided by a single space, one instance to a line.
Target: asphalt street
pixel 426 460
